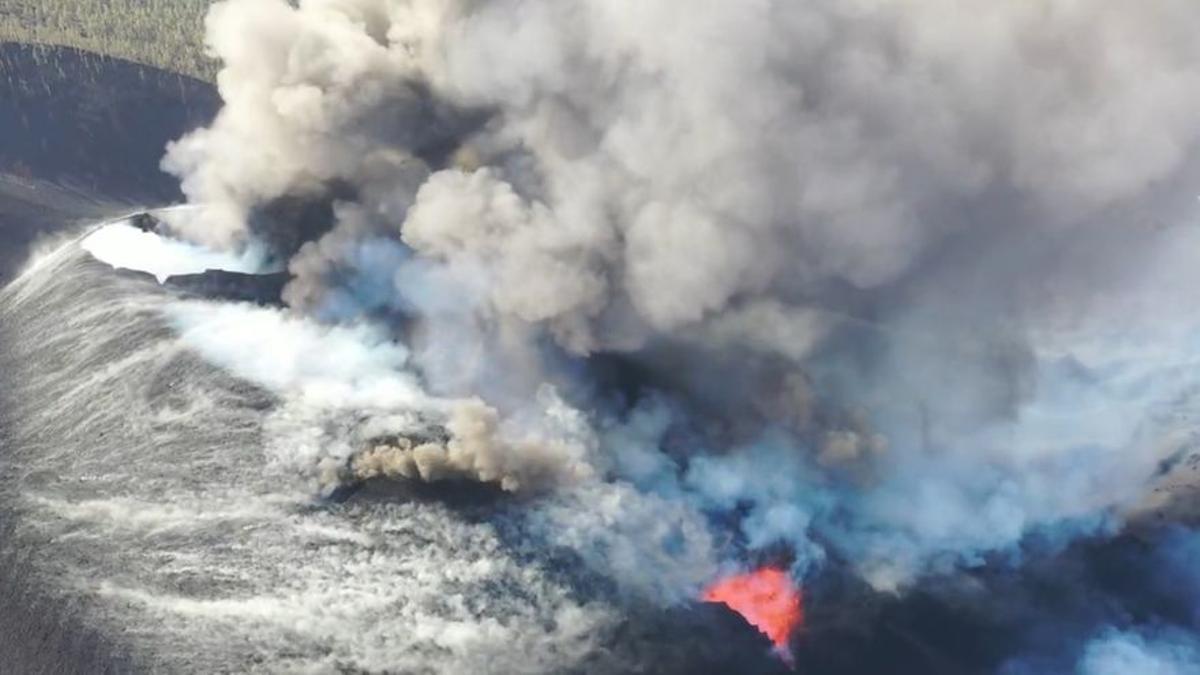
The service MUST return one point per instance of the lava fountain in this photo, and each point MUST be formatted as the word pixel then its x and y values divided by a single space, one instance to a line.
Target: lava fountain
pixel 767 598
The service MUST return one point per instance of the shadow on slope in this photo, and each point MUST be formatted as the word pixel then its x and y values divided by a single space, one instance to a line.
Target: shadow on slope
pixel 83 135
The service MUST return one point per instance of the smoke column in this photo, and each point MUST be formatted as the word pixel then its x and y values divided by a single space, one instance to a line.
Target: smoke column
pixel 891 286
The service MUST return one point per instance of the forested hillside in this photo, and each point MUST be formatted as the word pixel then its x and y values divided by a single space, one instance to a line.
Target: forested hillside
pixel 162 33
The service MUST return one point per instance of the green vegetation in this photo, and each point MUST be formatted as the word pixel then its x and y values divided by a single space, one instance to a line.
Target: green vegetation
pixel 162 33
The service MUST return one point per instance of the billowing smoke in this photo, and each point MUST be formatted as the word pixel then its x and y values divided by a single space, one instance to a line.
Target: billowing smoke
pixel 899 285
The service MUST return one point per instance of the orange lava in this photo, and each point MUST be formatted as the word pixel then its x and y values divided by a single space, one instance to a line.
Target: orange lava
pixel 767 598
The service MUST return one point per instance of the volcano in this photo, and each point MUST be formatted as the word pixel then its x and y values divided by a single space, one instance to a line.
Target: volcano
pixel 573 336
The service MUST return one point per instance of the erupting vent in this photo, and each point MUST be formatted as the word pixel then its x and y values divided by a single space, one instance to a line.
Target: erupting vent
pixel 767 598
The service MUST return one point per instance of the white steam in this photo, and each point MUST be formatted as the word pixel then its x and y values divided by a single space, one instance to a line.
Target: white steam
pixel 124 246
pixel 357 379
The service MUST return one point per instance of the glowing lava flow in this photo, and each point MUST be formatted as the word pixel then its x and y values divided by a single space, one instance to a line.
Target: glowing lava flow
pixel 766 598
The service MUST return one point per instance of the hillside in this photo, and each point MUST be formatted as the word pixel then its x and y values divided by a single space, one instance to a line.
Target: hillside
pixel 162 33
pixel 83 134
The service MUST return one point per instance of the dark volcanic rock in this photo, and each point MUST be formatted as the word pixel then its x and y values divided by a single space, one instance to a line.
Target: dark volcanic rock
pixel 261 289
pixel 699 639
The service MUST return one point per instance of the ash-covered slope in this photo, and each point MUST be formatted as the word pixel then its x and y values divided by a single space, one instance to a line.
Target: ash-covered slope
pixel 147 528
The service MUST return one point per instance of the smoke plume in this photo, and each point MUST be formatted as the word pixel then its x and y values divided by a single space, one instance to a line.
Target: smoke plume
pixel 899 285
